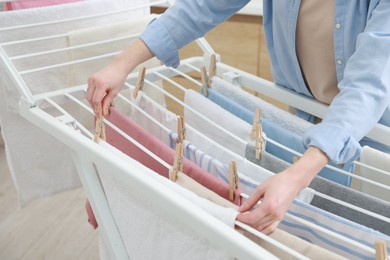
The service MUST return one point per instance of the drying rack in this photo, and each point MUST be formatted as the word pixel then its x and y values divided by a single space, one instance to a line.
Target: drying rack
pixel 85 153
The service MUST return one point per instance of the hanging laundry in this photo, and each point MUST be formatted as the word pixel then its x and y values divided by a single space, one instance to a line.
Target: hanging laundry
pixel 380 160
pixel 312 214
pixel 328 221
pixel 38 175
pixel 268 111
pixel 355 198
pixel 281 236
pixel 139 216
pixel 161 150
pixel 280 135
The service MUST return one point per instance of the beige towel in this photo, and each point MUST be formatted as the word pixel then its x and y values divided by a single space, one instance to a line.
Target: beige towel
pixel 381 161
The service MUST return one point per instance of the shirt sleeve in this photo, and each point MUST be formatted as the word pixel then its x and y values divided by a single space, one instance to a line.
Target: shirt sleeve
pixel 184 22
pixel 364 93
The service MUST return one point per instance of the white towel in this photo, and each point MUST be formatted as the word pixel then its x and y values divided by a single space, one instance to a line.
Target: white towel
pixel 36 169
pixel 147 230
pixel 269 111
pixel 378 160
pixel 216 114
pixel 79 73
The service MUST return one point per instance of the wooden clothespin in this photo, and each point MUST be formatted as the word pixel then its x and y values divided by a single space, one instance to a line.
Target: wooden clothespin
pixel 181 129
pixel 140 82
pixel 177 162
pixel 256 121
pixel 380 250
pixel 260 141
pixel 233 180
pixel 100 130
pixel 212 68
pixel 205 80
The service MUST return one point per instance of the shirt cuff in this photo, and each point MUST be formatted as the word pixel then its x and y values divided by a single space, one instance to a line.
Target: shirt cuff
pixel 161 44
pixel 334 141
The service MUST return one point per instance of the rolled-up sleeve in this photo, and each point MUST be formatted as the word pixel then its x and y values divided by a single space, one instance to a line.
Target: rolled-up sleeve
pixel 364 93
pixel 184 22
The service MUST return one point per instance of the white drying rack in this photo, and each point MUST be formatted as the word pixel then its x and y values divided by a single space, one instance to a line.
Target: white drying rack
pixel 85 152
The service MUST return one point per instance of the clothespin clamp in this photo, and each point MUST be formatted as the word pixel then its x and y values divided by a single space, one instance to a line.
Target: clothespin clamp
pixel 181 129
pixel 257 132
pixel 177 162
pixel 205 80
pixel 233 180
pixel 140 82
pixel 380 250
pixel 207 77
pixel 100 130
pixel 256 121
pixel 212 68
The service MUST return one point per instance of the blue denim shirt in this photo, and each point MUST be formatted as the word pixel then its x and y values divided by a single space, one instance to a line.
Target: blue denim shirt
pixel 361 54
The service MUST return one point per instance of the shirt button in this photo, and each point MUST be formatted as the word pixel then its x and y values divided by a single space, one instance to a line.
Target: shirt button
pixel 339 61
pixel 338 26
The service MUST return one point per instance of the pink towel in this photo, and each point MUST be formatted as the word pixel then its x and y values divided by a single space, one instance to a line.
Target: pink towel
pixel 25 4
pixel 161 150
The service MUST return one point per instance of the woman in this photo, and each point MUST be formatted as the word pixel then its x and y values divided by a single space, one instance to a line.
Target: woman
pixel 335 51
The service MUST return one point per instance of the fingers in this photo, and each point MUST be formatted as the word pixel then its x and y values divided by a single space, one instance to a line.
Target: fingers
pixel 107 101
pixel 271 228
pixel 96 93
pixel 256 195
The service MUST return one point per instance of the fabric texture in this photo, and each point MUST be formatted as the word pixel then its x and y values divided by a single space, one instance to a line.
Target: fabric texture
pixel 159 149
pixel 139 216
pixel 378 160
pixel 215 167
pixel 307 212
pixel 44 173
pixel 273 131
pixel 267 161
pixel 355 198
pixel 268 111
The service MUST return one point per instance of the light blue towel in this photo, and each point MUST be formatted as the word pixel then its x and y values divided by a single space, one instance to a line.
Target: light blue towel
pixel 279 134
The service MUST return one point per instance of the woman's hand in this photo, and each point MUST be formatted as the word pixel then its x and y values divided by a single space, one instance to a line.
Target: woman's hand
pixel 104 85
pixel 278 192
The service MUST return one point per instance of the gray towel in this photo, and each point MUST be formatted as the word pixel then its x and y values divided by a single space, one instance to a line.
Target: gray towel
pixel 356 198
pixel 267 161
pixel 353 197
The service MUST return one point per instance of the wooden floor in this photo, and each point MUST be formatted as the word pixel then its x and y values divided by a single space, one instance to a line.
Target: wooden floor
pixel 52 228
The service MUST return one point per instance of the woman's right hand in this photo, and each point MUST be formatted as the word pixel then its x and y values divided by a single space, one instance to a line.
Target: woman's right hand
pixel 104 85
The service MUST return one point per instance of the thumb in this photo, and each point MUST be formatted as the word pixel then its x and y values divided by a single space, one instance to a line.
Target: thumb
pixel 252 200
